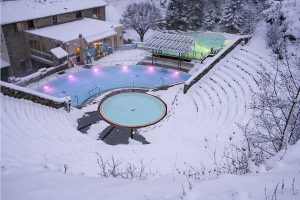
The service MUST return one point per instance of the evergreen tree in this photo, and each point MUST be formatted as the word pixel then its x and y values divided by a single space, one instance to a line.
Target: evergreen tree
pixel 184 15
pixel 176 15
pixel 210 17
pixel 232 18
pixel 195 14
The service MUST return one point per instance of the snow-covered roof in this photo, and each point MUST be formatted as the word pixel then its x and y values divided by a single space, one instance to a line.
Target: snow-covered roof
pixel 90 29
pixel 4 63
pixel 100 36
pixel 22 10
pixel 169 42
pixel 59 52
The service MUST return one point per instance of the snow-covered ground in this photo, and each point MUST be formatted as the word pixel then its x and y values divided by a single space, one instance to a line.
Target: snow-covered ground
pixel 38 141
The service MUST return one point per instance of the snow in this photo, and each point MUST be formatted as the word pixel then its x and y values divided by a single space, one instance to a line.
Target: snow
pixel 253 186
pixel 35 137
pixel 3 63
pixel 59 52
pixel 217 110
pixel 23 10
pixel 36 141
pixel 91 30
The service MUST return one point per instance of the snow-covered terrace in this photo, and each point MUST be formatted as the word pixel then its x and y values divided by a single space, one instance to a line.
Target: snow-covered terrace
pixel 22 10
pixel 90 29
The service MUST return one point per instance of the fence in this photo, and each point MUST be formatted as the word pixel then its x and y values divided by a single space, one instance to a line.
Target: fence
pixel 126 47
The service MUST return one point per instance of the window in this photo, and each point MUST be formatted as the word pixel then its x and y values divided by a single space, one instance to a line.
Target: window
pixel 54 18
pixel 95 11
pixel 37 45
pixel 30 24
pixel 78 14
pixel 19 26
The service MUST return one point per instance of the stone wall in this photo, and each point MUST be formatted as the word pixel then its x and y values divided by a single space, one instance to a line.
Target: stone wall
pixel 223 55
pixel 13 92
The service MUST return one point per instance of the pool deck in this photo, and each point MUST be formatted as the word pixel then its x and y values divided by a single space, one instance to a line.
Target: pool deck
pixel 111 135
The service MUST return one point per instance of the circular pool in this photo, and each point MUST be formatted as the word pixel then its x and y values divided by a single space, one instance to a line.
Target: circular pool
pixel 132 110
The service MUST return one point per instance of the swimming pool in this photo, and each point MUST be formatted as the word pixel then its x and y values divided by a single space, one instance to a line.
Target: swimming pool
pixel 132 110
pixel 83 84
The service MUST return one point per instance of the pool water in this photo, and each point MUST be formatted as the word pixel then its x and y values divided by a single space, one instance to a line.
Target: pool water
pixel 132 110
pixel 88 82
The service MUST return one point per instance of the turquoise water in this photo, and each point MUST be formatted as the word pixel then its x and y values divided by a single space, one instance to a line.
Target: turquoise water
pixel 209 40
pixel 88 82
pixel 132 109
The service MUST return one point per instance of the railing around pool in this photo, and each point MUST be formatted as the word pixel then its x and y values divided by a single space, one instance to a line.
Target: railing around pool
pixel 99 90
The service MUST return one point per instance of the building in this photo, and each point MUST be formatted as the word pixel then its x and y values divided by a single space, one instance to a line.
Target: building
pixel 44 33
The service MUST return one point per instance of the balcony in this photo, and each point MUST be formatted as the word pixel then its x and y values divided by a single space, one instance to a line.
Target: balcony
pixel 41 56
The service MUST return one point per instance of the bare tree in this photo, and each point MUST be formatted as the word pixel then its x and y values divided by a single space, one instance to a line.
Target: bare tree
pixel 117 169
pixel 276 120
pixel 141 17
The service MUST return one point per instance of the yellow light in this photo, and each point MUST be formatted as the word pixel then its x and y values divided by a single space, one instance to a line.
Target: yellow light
pixel 227 42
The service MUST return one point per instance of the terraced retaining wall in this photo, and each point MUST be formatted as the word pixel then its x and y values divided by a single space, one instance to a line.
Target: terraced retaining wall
pixel 198 75
pixel 36 97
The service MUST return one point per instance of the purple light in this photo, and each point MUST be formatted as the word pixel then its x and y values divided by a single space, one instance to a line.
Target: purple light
pixel 177 73
pixel 95 70
pixel 151 68
pixel 71 77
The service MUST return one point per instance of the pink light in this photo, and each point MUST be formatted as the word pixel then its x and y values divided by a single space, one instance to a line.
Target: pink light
pixel 175 74
pixel 125 68
pixel 71 77
pixel 46 87
pixel 150 70
pixel 95 70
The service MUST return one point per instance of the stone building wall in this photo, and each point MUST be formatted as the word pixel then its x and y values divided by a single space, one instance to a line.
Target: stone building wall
pixel 17 40
pixel 17 46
